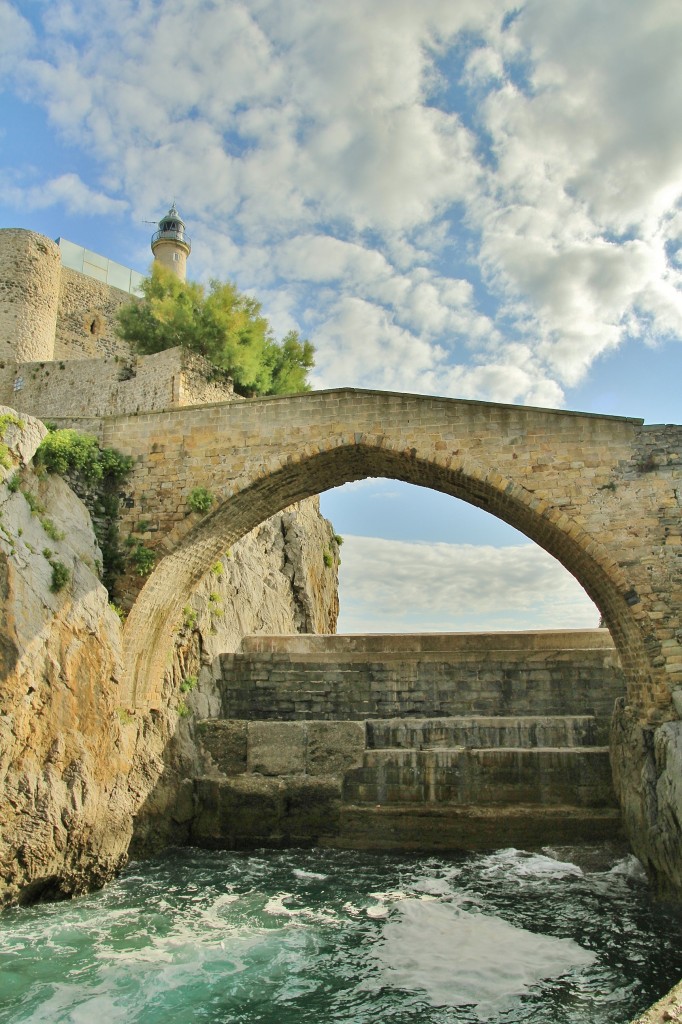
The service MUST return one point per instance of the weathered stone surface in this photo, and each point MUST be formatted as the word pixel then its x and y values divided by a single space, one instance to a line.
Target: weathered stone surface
pixel 277 748
pixel 443 675
pixel 647 772
pixel 73 767
pixel 224 741
pixel 667 1010
pixel 427 827
pixel 273 580
pixel 334 747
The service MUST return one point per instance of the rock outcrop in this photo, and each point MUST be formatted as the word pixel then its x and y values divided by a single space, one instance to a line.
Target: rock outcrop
pixel 75 766
pixel 647 773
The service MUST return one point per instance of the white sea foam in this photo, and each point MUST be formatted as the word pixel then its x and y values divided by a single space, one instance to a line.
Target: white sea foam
pixel 527 865
pixel 315 875
pixel 456 958
pixel 276 906
pixel 433 887
pixel 630 867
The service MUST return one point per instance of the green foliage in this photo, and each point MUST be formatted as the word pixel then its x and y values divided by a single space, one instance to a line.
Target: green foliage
pixel 214 598
pixel 36 508
pixel 327 559
pixel 6 420
pixel 125 717
pixel 60 576
pixel 200 500
pixel 223 325
pixel 13 483
pixel 96 474
pixel 188 684
pixel 217 569
pixel 183 710
pixel 67 452
pixel 121 612
pixel 189 617
pixel 339 539
pixel 142 558
pixel 51 530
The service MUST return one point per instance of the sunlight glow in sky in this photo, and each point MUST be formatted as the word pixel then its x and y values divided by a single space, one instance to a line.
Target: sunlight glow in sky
pixel 477 199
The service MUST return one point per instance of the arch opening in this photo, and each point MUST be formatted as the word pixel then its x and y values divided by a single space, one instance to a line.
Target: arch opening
pixel 415 560
pixel 194 548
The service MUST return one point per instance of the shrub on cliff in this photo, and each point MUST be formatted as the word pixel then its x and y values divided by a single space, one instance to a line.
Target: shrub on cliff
pixel 96 474
pixel 223 325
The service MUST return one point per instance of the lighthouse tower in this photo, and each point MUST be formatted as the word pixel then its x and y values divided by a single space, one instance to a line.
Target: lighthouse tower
pixel 170 244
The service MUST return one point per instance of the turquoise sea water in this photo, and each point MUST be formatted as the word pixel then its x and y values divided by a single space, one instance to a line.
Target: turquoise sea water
pixel 326 936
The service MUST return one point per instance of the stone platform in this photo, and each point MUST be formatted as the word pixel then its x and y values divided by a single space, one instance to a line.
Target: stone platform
pixel 490 740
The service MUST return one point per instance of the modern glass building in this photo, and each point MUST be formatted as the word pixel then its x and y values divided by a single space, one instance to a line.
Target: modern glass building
pixel 77 257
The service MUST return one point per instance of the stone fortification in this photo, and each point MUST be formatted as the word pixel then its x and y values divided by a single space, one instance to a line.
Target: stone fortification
pixel 68 390
pixel 472 757
pixel 48 311
pixel 86 318
pixel 30 268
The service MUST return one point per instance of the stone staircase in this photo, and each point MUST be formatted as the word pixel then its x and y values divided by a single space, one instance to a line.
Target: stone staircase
pixel 426 781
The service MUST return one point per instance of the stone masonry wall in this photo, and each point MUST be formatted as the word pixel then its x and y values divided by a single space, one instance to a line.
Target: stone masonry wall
pixel 30 267
pixel 113 385
pixel 487 680
pixel 86 318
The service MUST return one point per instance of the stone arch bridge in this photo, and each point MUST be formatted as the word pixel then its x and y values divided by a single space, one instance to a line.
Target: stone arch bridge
pixel 602 494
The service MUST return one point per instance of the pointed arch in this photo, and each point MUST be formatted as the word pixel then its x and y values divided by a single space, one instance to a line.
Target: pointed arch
pixel 282 479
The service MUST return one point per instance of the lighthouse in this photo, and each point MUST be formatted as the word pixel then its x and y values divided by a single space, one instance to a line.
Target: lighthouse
pixel 170 244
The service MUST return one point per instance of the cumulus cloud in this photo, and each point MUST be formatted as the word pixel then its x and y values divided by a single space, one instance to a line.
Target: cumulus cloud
pixel 476 198
pixel 67 189
pixel 398 586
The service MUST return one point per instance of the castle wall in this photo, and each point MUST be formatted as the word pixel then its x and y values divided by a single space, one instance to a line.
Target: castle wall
pixel 86 318
pixel 69 389
pixel 30 267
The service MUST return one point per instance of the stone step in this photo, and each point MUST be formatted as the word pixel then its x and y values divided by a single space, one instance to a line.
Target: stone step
pixel 253 810
pixel 544 683
pixel 578 776
pixel 345 660
pixel 426 827
pixel 387 643
pixel 483 731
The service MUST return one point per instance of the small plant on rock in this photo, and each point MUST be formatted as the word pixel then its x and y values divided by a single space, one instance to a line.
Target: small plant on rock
pixel 60 576
pixel 200 499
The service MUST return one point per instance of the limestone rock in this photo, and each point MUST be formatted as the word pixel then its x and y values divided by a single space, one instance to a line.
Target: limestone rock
pixel 647 772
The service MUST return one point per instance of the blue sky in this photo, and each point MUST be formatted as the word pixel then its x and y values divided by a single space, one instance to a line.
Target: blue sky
pixel 477 199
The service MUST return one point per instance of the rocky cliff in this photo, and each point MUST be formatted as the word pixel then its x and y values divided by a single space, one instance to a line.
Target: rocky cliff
pixel 647 774
pixel 75 767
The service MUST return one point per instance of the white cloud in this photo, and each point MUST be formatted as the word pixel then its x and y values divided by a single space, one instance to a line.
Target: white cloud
pixel 330 157
pixel 16 38
pixel 398 586
pixel 67 189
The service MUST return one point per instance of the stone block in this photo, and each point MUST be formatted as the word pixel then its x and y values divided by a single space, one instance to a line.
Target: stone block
pixel 312 807
pixel 237 812
pixel 334 747
pixel 224 741
pixel 277 748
